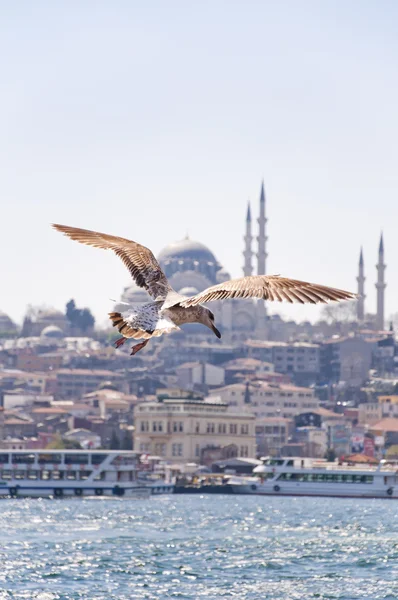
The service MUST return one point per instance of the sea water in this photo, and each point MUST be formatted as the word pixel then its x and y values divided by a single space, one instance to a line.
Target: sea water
pixel 210 547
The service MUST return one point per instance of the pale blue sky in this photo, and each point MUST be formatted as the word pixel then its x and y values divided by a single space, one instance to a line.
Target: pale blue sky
pixel 151 119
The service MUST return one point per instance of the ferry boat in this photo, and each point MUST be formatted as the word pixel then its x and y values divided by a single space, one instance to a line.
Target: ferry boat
pixel 70 473
pixel 310 477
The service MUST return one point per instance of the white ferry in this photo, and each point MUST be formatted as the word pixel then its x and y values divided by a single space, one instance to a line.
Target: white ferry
pixel 310 477
pixel 67 473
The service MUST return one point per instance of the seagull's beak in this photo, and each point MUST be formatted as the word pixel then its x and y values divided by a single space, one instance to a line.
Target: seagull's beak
pixel 214 328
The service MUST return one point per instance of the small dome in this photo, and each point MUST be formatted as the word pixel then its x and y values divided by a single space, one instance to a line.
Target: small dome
pixel 187 249
pixel 135 295
pixel 52 332
pixel 188 291
pixel 222 275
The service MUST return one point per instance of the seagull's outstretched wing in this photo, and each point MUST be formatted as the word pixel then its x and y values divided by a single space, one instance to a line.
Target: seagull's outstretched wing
pixel 270 287
pixel 143 266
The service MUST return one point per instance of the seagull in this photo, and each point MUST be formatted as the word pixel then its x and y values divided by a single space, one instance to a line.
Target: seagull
pixel 168 309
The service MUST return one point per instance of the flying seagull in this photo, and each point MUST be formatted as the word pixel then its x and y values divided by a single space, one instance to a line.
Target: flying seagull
pixel 168 309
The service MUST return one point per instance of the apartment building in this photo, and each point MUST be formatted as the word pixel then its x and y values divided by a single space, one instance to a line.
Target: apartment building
pixel 300 359
pixel 180 429
pixel 268 400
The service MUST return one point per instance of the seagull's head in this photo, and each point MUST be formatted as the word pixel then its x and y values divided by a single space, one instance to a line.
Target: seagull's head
pixel 209 322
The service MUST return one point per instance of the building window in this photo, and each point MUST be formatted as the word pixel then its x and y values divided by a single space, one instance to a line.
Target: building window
pixel 222 428
pixel 175 426
pixel 176 450
pixel 210 428
pixel 160 426
pixel 197 427
pixel 244 429
pixel 244 451
pixel 181 426
pixel 197 450
pixel 233 428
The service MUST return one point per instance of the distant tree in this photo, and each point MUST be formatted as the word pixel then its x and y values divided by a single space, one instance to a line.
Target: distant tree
pixel 127 440
pixel 60 443
pixel 330 455
pixel 86 320
pixel 343 312
pixel 71 311
pixel 81 318
pixel 115 442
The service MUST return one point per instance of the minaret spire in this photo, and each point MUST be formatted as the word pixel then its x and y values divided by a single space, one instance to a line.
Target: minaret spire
pixel 262 238
pixel 247 253
pixel 361 289
pixel 261 313
pixel 380 287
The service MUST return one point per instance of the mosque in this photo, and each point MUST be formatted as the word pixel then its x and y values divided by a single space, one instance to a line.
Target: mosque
pixel 191 267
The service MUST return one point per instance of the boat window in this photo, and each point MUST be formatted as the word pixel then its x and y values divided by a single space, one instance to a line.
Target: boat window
pixel 76 459
pixel 32 474
pixel 329 478
pixel 19 474
pixel 6 474
pixel 4 458
pixel 85 474
pixel 289 463
pixel 70 474
pixel 100 476
pixel 23 457
pixel 45 474
pixel 58 474
pixel 366 479
pixel 97 459
pixel 49 457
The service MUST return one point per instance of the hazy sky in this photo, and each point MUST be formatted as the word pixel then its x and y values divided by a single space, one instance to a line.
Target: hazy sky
pixel 152 119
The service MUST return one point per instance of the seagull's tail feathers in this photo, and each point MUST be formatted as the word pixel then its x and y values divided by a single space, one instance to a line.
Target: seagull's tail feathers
pixel 126 330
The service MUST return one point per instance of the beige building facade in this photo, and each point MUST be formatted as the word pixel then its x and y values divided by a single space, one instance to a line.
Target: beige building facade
pixel 268 400
pixel 179 429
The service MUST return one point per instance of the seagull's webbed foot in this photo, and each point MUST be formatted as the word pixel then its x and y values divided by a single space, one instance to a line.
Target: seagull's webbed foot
pixel 138 347
pixel 120 342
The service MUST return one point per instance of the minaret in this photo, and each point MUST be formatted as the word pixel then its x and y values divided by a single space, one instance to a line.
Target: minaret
pixel 262 238
pixel 361 289
pixel 380 286
pixel 261 313
pixel 247 254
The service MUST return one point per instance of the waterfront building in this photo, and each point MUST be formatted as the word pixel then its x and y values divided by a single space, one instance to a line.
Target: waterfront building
pixel 180 429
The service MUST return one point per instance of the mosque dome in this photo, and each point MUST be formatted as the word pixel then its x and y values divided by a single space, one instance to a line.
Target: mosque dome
pixel 52 332
pixel 222 275
pixel 188 291
pixel 187 249
pixel 135 295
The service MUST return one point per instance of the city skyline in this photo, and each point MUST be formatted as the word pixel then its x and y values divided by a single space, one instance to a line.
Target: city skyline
pixel 122 121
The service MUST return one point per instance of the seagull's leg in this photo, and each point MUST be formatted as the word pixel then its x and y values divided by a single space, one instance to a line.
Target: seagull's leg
pixel 138 347
pixel 120 342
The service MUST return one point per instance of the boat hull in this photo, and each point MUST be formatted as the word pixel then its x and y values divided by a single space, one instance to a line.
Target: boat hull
pixel 26 491
pixel 286 490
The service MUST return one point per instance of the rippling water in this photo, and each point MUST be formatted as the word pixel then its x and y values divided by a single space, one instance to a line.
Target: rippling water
pixel 211 547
